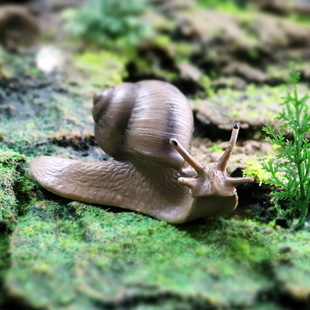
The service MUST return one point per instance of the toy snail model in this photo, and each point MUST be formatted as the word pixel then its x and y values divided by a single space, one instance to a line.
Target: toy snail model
pixel 147 128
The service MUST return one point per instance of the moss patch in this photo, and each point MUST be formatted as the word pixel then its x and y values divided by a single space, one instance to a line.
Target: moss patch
pixel 11 171
pixel 16 191
pixel 252 109
pixel 83 256
pixel 4 263
pixel 103 69
pixel 37 113
pixel 11 66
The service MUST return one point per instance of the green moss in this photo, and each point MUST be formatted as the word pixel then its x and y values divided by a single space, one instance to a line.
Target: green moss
pixel 38 108
pixel 4 263
pixel 183 51
pixel 301 19
pixel 16 189
pixel 216 148
pixel 206 83
pixel 255 170
pixel 105 68
pixel 162 40
pixel 255 102
pixel 76 255
pixel 12 65
pixel 10 178
pixel 223 5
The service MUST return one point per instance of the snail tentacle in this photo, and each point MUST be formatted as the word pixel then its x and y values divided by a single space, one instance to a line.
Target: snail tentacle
pixel 211 179
pixel 241 180
pixel 223 160
pixel 187 156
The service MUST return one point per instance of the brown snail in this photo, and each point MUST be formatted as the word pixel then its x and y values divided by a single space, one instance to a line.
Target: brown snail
pixel 147 128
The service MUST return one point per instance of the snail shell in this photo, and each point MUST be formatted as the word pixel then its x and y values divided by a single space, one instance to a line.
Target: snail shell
pixel 140 118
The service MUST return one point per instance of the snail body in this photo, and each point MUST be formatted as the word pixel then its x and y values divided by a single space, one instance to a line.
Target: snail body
pixel 146 127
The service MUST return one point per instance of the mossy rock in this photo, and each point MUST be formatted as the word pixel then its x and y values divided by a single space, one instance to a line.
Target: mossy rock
pixel 79 256
pixel 251 108
pixel 44 115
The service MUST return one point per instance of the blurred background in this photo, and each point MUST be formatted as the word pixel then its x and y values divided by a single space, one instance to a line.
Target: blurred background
pixel 191 43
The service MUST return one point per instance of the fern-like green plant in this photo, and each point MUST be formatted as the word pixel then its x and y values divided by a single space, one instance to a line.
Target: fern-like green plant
pixel 290 170
pixel 109 22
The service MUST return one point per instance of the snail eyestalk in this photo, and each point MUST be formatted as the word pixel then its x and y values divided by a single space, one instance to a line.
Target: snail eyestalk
pixel 212 179
pixel 241 180
pixel 223 160
pixel 187 156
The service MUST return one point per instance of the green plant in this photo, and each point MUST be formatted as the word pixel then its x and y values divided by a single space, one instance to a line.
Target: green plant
pixel 109 22
pixel 226 5
pixel 290 170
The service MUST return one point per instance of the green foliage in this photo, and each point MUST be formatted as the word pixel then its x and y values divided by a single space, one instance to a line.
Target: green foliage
pixel 291 169
pixel 109 22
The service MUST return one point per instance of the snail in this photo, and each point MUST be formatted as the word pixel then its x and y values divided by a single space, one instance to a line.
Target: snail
pixel 147 128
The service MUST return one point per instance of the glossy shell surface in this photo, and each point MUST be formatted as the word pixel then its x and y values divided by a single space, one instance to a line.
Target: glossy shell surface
pixel 140 118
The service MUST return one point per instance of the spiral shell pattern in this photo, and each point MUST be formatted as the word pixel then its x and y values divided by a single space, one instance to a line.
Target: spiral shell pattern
pixel 138 119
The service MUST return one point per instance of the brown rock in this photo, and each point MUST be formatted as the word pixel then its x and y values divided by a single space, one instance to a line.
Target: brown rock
pixel 189 71
pixel 246 71
pixel 233 82
pixel 284 6
pixel 18 28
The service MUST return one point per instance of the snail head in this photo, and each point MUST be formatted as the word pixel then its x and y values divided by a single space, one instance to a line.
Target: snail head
pixel 211 179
